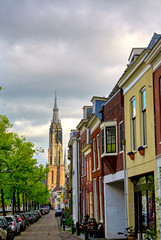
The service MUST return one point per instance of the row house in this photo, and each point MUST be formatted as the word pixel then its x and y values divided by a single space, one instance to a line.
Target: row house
pixel 118 150
pixel 74 175
pixel 112 136
pixel 93 125
pixel 142 136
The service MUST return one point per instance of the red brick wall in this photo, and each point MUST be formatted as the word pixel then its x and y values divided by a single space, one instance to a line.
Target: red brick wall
pixel 97 173
pixel 157 110
pixel 114 110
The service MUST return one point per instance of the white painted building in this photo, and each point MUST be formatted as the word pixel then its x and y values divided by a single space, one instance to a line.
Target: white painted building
pixel 75 175
pixel 114 205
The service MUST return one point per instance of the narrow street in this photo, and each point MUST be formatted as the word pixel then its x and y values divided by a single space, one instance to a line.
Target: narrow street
pixel 44 229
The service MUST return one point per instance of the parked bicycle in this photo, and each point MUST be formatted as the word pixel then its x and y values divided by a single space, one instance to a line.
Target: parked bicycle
pixel 129 232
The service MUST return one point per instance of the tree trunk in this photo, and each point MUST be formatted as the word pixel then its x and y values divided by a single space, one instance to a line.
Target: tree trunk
pixel 26 202
pixel 18 201
pixel 2 199
pixel 23 199
pixel 13 206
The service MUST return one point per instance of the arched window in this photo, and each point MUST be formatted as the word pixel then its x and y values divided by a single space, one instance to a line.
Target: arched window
pixel 52 176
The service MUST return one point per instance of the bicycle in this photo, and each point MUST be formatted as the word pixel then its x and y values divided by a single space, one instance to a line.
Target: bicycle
pixel 129 231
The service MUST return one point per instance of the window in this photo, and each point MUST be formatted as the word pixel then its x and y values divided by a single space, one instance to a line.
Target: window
pixel 87 170
pixel 94 156
pixel 100 199
pixel 109 138
pixel 95 199
pixel 91 205
pixel 90 170
pixel 52 172
pixel 143 115
pixel 98 151
pixel 121 136
pixel 102 141
pixel 133 123
pixel 83 165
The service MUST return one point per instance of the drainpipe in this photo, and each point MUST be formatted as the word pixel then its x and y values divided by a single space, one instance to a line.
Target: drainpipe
pixel 125 185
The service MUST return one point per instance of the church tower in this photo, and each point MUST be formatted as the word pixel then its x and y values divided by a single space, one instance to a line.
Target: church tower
pixel 55 152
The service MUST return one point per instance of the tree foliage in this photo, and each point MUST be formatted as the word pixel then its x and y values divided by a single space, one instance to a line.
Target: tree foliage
pixel 26 176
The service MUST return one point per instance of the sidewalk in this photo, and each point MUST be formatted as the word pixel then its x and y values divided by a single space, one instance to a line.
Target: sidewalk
pixel 69 236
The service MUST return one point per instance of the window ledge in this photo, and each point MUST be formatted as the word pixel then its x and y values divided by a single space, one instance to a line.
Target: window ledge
pixel 108 154
pixel 98 169
pixel 94 171
pixel 83 176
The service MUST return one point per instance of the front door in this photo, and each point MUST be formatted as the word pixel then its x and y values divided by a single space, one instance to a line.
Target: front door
pixel 144 204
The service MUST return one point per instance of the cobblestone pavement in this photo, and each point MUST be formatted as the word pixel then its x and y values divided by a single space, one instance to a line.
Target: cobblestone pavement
pixel 44 229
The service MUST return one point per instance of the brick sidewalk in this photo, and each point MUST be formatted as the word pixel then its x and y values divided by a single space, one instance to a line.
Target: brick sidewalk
pixel 69 236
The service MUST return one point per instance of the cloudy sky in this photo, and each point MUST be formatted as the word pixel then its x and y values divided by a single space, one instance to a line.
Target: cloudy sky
pixel 78 48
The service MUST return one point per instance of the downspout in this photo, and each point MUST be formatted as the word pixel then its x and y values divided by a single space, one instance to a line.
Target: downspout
pixel 125 185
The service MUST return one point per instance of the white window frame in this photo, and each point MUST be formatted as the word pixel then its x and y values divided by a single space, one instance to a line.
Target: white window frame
pixel 103 126
pixel 95 199
pixel 120 123
pixel 98 151
pixel 143 118
pixel 100 199
pixel 133 124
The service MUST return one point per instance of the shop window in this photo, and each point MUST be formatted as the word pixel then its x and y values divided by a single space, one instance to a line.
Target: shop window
pixel 144 203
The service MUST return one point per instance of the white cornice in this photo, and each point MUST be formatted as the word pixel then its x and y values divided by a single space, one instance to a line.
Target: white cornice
pixel 87 149
pixel 111 97
pixel 154 52
pixel 133 70
pixel 81 124
pixel 108 124
pixel 136 79
pixel 157 64
pixel 96 125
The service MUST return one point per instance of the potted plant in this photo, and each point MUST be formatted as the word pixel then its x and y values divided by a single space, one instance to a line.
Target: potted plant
pixel 131 155
pixel 141 150
pixel 131 233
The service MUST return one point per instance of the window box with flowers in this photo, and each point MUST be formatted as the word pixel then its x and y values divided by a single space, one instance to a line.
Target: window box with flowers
pixel 131 155
pixel 141 150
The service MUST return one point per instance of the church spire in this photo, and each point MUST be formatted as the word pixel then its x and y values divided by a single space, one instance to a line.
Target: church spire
pixel 55 111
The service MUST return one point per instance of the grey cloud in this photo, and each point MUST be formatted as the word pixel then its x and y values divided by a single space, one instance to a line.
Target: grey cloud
pixel 77 48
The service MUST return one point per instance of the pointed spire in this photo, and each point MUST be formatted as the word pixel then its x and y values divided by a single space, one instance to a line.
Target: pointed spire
pixel 55 111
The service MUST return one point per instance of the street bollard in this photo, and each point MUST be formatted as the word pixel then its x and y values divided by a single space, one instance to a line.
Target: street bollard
pixel 77 228
pixel 60 221
pixel 72 227
pixel 63 223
